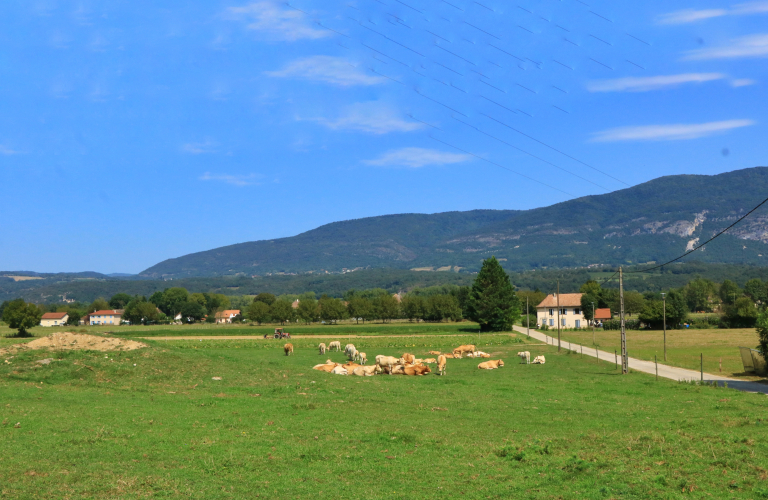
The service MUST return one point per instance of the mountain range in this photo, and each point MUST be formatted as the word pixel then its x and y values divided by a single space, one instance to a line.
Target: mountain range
pixel 650 222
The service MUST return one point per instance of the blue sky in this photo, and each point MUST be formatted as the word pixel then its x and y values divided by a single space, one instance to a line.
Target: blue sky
pixel 132 132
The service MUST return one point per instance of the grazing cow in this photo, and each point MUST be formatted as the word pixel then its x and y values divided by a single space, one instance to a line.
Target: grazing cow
pixel 339 370
pixel 431 361
pixel 491 365
pixel 288 348
pixel 349 348
pixel 363 358
pixel 408 358
pixel 366 371
pixel 435 353
pixel 322 348
pixel 352 355
pixel 386 362
pixel 525 357
pixel 539 360
pixel 334 345
pixel 417 370
pixel 441 362
pixel 326 367
pixel 462 349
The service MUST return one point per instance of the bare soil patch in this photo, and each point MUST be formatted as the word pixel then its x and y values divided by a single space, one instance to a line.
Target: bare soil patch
pixel 68 341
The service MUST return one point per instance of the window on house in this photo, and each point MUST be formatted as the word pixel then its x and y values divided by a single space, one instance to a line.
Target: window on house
pixel 551 322
pixel 577 311
pixel 551 312
pixel 562 322
pixel 578 323
pixel 563 311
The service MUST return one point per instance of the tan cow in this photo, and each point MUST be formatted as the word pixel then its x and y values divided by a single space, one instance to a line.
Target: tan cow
pixel 288 348
pixel 397 370
pixel 363 358
pixel 491 365
pixel 417 370
pixel 449 355
pixel 462 349
pixel 435 353
pixel 366 371
pixel 387 362
pixel 334 345
pixel 322 348
pixel 350 366
pixel 326 367
pixel 408 358
pixel 441 362
pixel 430 361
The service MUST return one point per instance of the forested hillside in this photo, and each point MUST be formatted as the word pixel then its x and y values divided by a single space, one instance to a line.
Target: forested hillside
pixel 650 222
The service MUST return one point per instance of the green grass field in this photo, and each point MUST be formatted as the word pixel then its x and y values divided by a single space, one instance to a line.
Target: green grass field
pixel 684 347
pixel 273 428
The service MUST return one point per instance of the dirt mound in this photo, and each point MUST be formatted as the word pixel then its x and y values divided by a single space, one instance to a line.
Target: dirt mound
pixel 67 341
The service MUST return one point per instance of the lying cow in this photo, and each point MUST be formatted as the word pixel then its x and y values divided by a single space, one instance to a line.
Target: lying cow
pixel 491 365
pixel 539 360
pixel 430 361
pixel 387 362
pixel 417 370
pixel 408 358
pixel 334 345
pixel 451 356
pixel 288 348
pixel 525 357
pixel 441 362
pixel 351 366
pixel 321 347
pixel 435 353
pixel 339 370
pixel 327 367
pixel 366 371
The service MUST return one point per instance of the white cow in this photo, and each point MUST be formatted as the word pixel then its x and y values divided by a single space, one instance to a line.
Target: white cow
pixel 525 357
pixel 349 348
pixel 363 358
pixel 322 348
pixel 366 371
pixel 339 370
pixel 539 360
pixel 334 345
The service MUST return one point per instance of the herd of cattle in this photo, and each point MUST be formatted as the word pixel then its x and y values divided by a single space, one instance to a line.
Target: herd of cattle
pixel 407 364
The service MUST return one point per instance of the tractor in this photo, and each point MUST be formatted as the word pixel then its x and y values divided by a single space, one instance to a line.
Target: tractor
pixel 279 334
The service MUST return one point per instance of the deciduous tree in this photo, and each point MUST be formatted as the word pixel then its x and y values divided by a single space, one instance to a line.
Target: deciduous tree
pixel 259 312
pixel 22 316
pixel 282 311
pixel 331 310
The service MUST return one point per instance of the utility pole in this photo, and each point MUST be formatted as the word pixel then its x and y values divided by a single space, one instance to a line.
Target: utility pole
pixel 664 301
pixel 624 360
pixel 527 317
pixel 593 323
pixel 558 315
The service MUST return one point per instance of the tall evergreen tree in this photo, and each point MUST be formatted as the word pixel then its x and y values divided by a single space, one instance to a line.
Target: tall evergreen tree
pixel 493 302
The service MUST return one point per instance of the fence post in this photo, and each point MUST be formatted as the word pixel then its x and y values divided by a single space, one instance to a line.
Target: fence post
pixel 702 367
pixel 616 358
pixel 656 361
pixel 597 355
pixel 721 365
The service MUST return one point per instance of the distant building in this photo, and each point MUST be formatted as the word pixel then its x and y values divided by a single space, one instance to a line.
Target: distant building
pixel 603 314
pixel 571 315
pixel 85 320
pixel 106 317
pixel 295 304
pixel 226 316
pixel 54 319
pixel 397 297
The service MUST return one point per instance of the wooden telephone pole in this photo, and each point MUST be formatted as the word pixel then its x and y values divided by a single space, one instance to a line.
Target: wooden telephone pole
pixel 558 316
pixel 624 359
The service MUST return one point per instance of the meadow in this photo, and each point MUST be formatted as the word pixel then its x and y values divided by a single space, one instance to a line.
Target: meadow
pixel 684 347
pixel 154 423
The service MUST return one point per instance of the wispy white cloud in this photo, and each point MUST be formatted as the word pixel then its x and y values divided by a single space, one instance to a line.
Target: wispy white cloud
pixel 4 150
pixel 277 21
pixel 416 158
pixel 673 132
pixel 198 148
pixel 645 84
pixel 742 82
pixel 328 69
pixel 744 47
pixel 687 16
pixel 373 117
pixel 235 180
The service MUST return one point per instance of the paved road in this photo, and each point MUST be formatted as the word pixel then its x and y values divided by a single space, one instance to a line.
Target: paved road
pixel 666 371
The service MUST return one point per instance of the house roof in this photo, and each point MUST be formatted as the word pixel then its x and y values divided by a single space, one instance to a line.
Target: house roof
pixel 603 314
pixel 54 315
pixel 566 300
pixel 108 312
pixel 228 313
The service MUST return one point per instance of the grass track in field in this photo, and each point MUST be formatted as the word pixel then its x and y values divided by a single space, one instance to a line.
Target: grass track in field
pixel 274 428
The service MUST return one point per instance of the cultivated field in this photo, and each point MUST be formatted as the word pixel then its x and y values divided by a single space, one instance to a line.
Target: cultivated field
pixel 684 347
pixel 93 425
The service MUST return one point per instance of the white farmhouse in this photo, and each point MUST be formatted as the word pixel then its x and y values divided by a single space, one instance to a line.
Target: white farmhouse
pixel 570 311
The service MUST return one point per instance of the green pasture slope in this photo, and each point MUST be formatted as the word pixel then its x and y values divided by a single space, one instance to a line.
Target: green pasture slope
pixel 274 428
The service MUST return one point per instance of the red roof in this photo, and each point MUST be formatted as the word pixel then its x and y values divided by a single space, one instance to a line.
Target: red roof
pixel 603 314
pixel 115 312
pixel 229 313
pixel 566 300
pixel 54 315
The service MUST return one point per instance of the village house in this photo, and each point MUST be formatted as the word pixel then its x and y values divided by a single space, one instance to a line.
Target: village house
pixel 602 315
pixel 106 317
pixel 54 319
pixel 226 316
pixel 571 315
